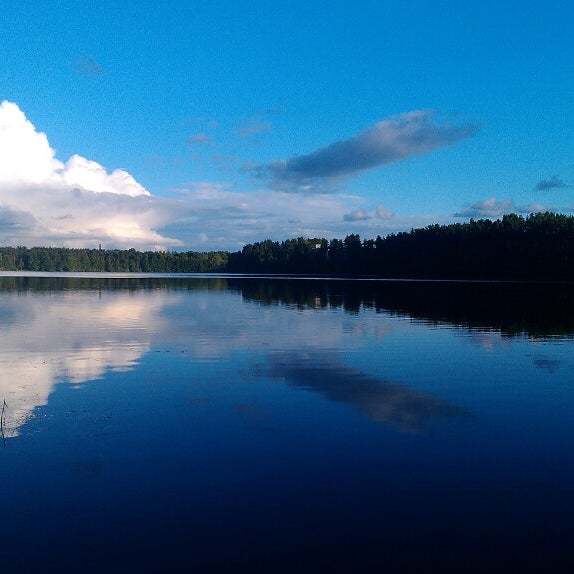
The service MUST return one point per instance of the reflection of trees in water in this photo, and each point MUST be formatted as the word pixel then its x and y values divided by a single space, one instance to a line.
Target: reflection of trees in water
pixel 380 400
pixel 534 309
pixel 126 282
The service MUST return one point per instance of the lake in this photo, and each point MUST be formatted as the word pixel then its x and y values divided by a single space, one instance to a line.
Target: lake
pixel 232 424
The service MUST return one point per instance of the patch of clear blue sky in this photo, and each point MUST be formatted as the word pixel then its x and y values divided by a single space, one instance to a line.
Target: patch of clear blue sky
pixel 127 83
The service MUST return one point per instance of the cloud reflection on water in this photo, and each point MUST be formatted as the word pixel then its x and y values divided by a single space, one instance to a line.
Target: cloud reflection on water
pixel 68 336
pixel 382 401
pixel 80 334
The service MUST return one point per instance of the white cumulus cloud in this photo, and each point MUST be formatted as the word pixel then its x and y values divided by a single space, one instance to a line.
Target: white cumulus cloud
pixel 25 154
pixel 26 157
pixel 89 174
pixel 44 201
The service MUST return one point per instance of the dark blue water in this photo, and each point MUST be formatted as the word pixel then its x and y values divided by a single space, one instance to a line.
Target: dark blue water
pixel 277 425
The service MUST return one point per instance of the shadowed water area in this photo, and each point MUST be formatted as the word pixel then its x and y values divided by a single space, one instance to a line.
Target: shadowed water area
pixel 254 424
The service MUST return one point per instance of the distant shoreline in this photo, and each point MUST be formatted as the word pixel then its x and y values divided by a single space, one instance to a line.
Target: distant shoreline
pixel 270 276
pixel 538 248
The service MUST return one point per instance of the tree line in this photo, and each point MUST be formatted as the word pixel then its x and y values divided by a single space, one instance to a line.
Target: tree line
pixel 539 246
pixel 110 260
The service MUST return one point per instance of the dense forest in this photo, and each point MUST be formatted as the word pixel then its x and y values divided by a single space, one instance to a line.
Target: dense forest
pixel 540 246
pixel 116 260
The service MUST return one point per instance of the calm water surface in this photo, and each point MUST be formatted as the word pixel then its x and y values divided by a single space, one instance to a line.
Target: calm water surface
pixel 242 424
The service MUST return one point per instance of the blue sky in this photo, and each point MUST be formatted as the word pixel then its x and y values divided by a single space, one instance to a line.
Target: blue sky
pixel 208 125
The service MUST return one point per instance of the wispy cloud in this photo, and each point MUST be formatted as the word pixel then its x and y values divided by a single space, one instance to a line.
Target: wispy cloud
pixel 492 207
pixel 533 208
pixel 357 215
pixel 88 66
pixel 198 138
pixel 553 182
pixel 229 218
pixel 486 208
pixel 381 212
pixel 253 126
pixel 389 140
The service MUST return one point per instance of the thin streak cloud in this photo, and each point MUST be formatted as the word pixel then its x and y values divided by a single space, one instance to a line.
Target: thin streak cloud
pixel 392 139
